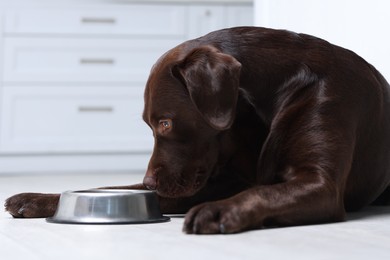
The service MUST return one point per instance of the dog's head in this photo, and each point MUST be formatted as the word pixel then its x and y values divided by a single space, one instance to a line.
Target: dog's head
pixel 190 98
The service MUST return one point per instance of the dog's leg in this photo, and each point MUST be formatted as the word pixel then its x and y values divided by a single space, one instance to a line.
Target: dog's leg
pixel 302 173
pixel 32 205
pixel 39 205
pixel 138 186
pixel 305 200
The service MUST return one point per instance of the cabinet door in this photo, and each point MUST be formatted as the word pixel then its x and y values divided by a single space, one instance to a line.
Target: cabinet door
pixel 239 16
pixel 1 48
pixel 204 19
pixel 73 119
pixel 208 18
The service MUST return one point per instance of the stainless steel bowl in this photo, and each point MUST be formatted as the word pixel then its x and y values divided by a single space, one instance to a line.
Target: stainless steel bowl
pixel 108 207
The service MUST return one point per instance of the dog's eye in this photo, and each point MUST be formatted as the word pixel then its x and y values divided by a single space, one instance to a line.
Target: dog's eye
pixel 165 124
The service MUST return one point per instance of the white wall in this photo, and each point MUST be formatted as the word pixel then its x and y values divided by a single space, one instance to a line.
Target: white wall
pixel 360 25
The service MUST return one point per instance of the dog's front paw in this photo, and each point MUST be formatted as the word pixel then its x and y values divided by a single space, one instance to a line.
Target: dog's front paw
pixel 32 205
pixel 221 217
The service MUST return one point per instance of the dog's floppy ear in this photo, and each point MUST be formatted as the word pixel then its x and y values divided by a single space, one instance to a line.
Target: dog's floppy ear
pixel 212 80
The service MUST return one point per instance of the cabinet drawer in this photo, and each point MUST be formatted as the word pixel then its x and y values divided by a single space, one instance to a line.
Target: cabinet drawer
pixel 81 60
pixel 73 119
pixel 132 19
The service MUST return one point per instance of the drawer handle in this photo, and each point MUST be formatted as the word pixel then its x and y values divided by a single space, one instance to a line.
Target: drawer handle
pixel 98 109
pixel 97 61
pixel 91 20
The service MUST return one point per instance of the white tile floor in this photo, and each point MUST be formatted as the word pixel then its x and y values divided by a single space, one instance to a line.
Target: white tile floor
pixel 365 236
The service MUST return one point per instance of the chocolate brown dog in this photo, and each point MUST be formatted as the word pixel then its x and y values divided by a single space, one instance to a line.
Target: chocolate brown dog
pixel 256 127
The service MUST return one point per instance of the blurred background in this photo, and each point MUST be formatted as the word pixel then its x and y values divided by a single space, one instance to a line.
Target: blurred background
pixel 72 72
pixel 358 25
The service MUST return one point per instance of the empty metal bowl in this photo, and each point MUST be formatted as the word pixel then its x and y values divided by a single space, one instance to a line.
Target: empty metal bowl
pixel 108 207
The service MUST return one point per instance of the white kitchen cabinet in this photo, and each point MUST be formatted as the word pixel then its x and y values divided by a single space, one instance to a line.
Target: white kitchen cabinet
pixel 73 75
pixel 206 18
pixel 131 19
pixel 239 16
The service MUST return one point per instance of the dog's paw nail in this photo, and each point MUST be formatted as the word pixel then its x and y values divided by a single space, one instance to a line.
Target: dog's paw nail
pixel 222 229
pixel 194 230
pixel 21 210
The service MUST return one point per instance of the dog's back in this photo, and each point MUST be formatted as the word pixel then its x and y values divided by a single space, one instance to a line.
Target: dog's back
pixel 274 61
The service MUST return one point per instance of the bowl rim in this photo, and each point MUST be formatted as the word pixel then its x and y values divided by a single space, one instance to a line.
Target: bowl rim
pixel 96 192
pixel 55 220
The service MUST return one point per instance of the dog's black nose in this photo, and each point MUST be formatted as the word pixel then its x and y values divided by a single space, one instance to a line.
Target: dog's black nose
pixel 150 182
